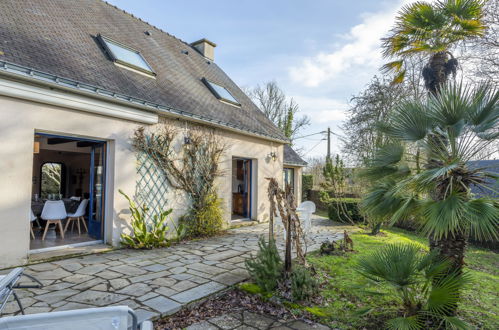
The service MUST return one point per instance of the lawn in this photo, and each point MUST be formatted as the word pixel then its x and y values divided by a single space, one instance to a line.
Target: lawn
pixel 343 297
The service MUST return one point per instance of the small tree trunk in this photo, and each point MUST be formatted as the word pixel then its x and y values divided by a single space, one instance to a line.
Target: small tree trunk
pixel 287 256
pixel 452 248
pixel 376 228
pixel 438 75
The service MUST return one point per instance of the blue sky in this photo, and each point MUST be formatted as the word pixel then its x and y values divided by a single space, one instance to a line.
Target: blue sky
pixel 320 52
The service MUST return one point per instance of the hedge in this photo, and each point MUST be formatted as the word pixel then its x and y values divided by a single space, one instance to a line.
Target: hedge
pixel 350 205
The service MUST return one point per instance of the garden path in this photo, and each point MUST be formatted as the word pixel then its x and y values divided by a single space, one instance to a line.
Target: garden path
pixel 153 282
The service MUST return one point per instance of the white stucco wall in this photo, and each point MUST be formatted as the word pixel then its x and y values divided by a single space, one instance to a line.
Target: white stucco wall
pixel 20 119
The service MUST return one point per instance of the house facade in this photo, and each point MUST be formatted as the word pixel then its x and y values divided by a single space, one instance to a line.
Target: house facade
pixel 76 80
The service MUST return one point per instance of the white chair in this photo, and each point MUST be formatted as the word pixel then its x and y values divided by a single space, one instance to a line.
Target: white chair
pixel 306 209
pixel 104 318
pixel 33 218
pixel 53 212
pixel 78 216
pixel 8 285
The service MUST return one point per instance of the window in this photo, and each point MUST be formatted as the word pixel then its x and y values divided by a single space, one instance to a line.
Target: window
pixel 51 183
pixel 220 92
pixel 126 56
pixel 289 177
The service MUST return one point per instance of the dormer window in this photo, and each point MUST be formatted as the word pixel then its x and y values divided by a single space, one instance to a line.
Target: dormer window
pixel 125 56
pixel 220 92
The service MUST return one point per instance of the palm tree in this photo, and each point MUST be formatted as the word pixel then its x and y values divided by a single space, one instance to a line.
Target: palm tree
pixel 438 195
pixel 419 281
pixel 432 30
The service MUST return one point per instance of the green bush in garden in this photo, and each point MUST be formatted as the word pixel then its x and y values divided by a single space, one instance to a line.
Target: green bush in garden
pixel 344 210
pixel 303 285
pixel 145 235
pixel 266 268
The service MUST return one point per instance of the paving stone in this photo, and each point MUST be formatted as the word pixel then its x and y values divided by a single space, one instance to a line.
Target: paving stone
pixel 229 278
pixel 163 305
pixel 167 292
pixel 225 322
pixel 137 289
pixel 184 285
pixel 147 296
pixel 181 277
pixel 71 267
pixel 119 283
pixel 78 278
pixel 128 270
pixel 108 275
pixel 100 287
pixel 46 266
pixel 223 255
pixel 198 292
pixel 92 269
pixel 258 321
pixel 36 310
pixel 148 277
pixel 55 296
pixel 143 315
pixel 67 306
pixel 204 325
pixel 155 268
pixel 178 270
pixel 88 284
pixel 55 274
pixel 164 281
pixel 58 286
pixel 97 298
pixel 211 270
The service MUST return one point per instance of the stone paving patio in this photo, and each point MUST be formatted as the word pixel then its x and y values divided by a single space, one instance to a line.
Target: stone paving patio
pixel 153 282
pixel 246 321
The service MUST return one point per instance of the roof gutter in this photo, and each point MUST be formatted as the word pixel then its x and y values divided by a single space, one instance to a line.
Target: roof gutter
pixel 20 72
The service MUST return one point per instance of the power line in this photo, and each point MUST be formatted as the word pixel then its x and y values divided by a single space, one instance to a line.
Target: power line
pixel 304 136
pixel 313 147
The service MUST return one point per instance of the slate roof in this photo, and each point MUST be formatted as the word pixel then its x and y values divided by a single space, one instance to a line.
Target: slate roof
pixel 292 158
pixel 59 37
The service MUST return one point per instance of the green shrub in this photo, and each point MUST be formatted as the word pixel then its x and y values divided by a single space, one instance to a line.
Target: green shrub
pixel 303 285
pixel 144 235
pixel 344 210
pixel 266 268
pixel 307 183
pixel 206 220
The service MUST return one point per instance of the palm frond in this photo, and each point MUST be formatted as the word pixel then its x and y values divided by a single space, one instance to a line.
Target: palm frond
pixel 452 322
pixel 395 264
pixel 405 323
pixel 443 218
pixel 445 293
pixel 409 122
pixel 482 215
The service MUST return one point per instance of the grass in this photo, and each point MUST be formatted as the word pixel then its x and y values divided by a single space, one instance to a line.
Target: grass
pixel 343 296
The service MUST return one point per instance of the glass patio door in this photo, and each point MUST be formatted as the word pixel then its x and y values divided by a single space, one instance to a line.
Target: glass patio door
pixel 97 180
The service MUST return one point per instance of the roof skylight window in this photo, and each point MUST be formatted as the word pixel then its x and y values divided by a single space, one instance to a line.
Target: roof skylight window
pixel 220 92
pixel 126 56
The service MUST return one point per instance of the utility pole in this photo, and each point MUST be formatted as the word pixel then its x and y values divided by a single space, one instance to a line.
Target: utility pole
pixel 329 143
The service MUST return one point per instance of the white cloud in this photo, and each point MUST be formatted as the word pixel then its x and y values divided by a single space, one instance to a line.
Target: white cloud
pixel 320 109
pixel 360 51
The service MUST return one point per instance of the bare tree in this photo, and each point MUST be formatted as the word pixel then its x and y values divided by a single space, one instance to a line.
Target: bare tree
pixel 482 54
pixel 275 105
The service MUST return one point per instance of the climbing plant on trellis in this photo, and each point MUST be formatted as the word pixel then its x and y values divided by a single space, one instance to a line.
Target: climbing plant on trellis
pixel 152 185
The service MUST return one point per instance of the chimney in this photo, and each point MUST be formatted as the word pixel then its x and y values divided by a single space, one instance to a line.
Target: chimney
pixel 205 47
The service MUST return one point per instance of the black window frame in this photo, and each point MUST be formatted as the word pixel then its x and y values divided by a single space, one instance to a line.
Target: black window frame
pixel 208 84
pixel 104 40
